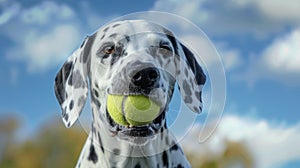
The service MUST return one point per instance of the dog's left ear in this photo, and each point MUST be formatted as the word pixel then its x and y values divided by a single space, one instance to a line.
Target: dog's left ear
pixel 190 77
pixel 71 86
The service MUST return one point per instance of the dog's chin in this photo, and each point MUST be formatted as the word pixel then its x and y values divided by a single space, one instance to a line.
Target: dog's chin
pixel 136 134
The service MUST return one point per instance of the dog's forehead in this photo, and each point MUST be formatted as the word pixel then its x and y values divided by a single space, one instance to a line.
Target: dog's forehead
pixel 134 26
pixel 129 28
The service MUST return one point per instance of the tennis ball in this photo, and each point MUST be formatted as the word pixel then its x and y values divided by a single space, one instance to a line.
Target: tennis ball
pixel 114 108
pixel 132 110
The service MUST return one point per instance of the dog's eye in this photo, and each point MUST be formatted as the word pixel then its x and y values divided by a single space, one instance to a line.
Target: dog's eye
pixel 109 50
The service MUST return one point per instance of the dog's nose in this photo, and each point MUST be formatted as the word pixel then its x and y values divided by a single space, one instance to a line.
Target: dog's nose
pixel 146 78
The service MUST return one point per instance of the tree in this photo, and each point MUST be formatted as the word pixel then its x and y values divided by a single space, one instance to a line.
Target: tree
pixel 53 146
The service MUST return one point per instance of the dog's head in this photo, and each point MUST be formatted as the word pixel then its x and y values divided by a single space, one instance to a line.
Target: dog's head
pixel 129 58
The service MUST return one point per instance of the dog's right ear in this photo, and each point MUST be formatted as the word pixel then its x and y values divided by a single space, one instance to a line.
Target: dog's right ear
pixel 71 86
pixel 190 77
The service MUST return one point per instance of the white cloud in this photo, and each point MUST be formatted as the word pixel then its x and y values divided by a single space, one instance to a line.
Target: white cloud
pixel 278 10
pixel 283 55
pixel 261 18
pixel 231 56
pixel 279 61
pixel 44 12
pixel 202 46
pixel 42 50
pixel 8 13
pixel 44 35
pixel 270 145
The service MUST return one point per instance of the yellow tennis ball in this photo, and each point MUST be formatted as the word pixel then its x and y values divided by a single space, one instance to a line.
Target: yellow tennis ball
pixel 140 110
pixel 132 110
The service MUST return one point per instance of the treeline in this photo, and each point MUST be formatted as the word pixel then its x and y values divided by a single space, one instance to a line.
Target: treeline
pixel 59 147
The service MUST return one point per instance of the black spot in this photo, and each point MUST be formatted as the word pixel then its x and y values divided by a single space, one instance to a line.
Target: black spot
pixel 93 156
pixel 113 35
pixel 196 108
pixel 70 82
pixel 83 43
pixel 179 166
pixel 96 101
pixel 66 116
pixel 102 37
pixel 96 93
pixel 81 101
pixel 165 159
pixel 105 30
pixel 168 62
pixel 96 85
pixel 167 140
pixel 127 38
pixel 178 72
pixel 165 125
pixel 69 124
pixel 188 99
pixel 100 143
pixel 116 151
pixel 174 147
pixel 192 62
pixel 116 25
pixel 172 39
pixel 71 105
pixel 76 79
pixel 113 59
pixel 87 47
pixel 67 69
pixel 63 112
pixel 60 81
pixel 186 72
pixel 186 88
pixel 192 81
pixel 137 166
pixel 161 133
pixel 198 96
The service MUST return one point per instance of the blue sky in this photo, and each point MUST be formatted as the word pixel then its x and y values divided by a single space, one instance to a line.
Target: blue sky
pixel 259 42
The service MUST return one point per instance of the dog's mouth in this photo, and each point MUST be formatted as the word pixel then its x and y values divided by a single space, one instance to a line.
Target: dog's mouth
pixel 128 132
pixel 147 130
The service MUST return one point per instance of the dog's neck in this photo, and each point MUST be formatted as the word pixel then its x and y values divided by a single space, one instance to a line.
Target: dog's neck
pixel 110 149
pixel 116 153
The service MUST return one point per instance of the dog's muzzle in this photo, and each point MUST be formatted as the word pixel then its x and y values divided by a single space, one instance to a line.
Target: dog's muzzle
pixel 142 82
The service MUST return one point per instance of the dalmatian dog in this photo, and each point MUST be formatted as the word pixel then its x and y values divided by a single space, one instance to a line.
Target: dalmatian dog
pixel 131 57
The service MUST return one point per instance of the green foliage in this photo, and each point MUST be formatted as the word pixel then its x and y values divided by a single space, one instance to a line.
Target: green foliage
pixel 56 146
pixel 235 155
pixel 53 146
